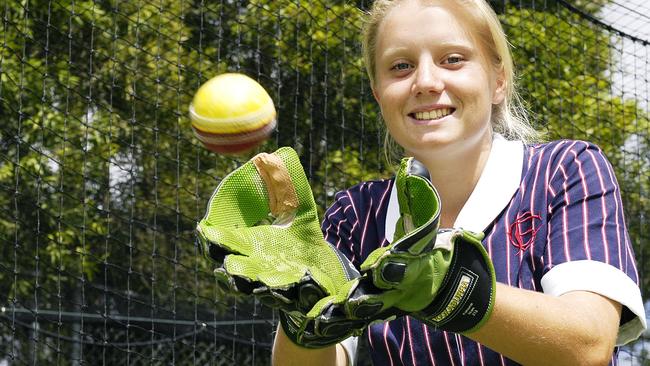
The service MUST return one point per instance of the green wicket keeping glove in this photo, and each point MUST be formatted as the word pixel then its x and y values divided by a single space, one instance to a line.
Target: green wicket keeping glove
pixel 262 230
pixel 444 278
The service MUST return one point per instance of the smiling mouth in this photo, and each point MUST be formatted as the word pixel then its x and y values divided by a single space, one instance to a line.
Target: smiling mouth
pixel 434 114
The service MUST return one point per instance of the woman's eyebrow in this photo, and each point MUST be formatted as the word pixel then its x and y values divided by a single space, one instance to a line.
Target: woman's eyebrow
pixel 394 51
pixel 464 47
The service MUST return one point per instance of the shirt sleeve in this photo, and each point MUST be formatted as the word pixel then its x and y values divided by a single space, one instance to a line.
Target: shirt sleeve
pixel 588 246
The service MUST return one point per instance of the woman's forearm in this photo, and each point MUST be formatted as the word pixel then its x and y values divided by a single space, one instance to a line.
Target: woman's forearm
pixel 285 352
pixel 578 328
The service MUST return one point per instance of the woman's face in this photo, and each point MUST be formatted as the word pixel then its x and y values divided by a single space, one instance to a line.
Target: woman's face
pixel 433 84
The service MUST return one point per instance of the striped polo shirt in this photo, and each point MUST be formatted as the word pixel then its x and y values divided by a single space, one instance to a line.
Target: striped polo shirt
pixel 553 223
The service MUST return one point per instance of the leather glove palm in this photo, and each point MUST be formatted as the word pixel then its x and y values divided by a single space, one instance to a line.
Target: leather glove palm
pixel 262 230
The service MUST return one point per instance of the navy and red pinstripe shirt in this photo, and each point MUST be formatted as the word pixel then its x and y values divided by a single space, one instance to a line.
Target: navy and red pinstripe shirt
pixel 553 221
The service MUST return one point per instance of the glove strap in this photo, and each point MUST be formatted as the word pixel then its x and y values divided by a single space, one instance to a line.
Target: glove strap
pixel 303 333
pixel 466 297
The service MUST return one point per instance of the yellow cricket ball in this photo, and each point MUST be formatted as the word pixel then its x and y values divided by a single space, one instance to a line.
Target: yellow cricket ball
pixel 232 114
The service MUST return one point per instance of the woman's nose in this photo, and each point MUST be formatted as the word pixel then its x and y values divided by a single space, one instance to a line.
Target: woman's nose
pixel 428 79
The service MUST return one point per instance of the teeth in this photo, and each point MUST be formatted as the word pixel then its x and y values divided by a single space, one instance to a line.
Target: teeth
pixel 435 114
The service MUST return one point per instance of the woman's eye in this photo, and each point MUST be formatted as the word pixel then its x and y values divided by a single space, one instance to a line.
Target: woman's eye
pixel 453 60
pixel 401 66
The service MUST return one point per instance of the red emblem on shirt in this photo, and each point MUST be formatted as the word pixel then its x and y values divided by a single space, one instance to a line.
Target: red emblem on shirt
pixel 522 231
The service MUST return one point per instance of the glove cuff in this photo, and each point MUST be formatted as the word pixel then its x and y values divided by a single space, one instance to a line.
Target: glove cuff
pixel 301 331
pixel 466 297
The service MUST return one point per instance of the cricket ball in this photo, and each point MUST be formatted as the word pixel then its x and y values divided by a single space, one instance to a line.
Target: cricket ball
pixel 232 114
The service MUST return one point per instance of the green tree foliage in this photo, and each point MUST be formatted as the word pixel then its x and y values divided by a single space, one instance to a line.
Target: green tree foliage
pixel 326 110
pixel 102 181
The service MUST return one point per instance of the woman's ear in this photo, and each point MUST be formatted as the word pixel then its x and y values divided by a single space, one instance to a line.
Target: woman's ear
pixel 500 87
pixel 374 94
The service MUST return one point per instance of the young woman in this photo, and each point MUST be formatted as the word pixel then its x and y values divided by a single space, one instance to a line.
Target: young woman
pixel 567 291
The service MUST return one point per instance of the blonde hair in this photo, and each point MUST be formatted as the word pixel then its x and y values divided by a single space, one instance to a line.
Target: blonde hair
pixel 509 118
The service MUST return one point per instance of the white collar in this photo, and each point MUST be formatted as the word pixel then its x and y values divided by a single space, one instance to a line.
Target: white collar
pixel 499 181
